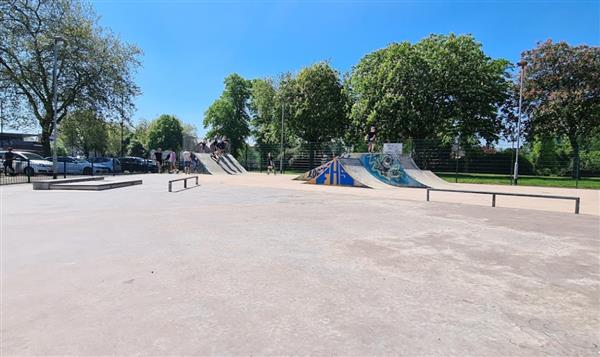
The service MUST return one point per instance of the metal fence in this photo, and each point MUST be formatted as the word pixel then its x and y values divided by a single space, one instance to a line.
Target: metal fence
pixel 428 155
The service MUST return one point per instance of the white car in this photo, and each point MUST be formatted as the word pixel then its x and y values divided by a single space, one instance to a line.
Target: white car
pixel 28 163
pixel 75 166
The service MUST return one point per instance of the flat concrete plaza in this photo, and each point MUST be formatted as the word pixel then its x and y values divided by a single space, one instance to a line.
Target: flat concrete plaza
pixel 262 265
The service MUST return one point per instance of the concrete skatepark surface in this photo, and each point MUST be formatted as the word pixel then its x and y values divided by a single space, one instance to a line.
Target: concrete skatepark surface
pixel 263 265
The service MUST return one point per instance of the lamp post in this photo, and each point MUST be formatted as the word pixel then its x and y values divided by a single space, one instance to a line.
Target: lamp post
pixel 521 64
pixel 122 125
pixel 54 109
pixel 281 149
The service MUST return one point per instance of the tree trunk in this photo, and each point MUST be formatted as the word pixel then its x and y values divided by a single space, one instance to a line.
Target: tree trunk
pixel 575 147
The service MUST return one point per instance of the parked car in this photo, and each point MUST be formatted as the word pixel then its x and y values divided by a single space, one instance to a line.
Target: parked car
pixel 28 163
pixel 136 164
pixel 152 166
pixel 75 166
pixel 113 164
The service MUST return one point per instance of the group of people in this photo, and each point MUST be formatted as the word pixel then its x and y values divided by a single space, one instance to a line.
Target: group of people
pixel 170 164
pixel 217 147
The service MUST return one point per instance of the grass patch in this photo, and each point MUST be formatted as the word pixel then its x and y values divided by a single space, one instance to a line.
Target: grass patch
pixel 545 181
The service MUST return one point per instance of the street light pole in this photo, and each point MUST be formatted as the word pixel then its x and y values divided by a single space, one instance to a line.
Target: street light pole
pixel 281 149
pixel 521 64
pixel 54 109
pixel 122 124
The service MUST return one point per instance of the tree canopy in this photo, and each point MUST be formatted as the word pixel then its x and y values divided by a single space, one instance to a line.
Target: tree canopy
pixel 318 104
pixel 229 114
pixel 95 68
pixel 85 131
pixel 166 132
pixel 442 86
pixel 562 89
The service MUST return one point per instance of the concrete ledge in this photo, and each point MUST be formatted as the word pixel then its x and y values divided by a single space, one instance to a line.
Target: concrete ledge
pixel 45 184
pixel 92 186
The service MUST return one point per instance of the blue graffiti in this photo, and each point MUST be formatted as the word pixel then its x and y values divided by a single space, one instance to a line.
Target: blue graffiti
pixel 334 174
pixel 388 169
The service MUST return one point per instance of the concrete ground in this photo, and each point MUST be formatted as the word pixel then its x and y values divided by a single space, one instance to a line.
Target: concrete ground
pixel 257 265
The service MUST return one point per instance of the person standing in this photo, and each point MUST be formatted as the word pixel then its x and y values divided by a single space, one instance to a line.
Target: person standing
pixel 371 137
pixel 270 164
pixel 187 162
pixel 159 159
pixel 9 157
pixel 172 160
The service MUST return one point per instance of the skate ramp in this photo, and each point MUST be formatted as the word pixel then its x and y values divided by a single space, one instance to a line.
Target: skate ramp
pixel 380 171
pixel 210 165
pixel 358 172
pixel 334 174
pixel 430 179
pixel 390 169
pixel 236 164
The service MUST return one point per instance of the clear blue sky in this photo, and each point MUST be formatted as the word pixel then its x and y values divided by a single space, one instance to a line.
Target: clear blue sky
pixel 190 46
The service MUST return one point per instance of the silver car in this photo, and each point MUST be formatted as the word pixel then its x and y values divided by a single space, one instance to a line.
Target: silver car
pixel 75 166
pixel 28 163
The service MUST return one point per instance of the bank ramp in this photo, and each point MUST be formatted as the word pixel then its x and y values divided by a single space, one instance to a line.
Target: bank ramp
pixel 226 165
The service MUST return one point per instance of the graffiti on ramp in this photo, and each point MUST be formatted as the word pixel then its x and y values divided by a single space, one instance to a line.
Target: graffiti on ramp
pixel 334 174
pixel 388 169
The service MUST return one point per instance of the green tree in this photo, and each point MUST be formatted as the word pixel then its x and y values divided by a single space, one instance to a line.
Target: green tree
pixel 229 114
pixel 263 103
pixel 441 87
pixel 136 148
pixel 318 104
pixel 86 131
pixel 113 146
pixel 95 67
pixel 140 132
pixel 267 101
pixel 562 87
pixel 166 132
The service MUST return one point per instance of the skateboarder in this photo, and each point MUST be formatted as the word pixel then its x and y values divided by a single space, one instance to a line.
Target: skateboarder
pixel 371 137
pixel 270 164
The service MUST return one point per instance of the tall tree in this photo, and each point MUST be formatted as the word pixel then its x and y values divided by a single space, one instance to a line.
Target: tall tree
pixel 443 86
pixel 263 106
pixel 95 69
pixel 84 130
pixel 318 104
pixel 165 132
pixel 562 86
pixel 229 115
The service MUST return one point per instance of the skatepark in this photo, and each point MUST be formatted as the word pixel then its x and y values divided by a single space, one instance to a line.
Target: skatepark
pixel 257 264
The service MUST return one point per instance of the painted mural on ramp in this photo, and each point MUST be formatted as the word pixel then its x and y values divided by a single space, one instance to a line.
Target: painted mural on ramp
pixel 379 171
pixel 334 174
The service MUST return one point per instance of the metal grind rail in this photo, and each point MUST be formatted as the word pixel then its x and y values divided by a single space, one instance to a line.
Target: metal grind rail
pixel 494 194
pixel 185 180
